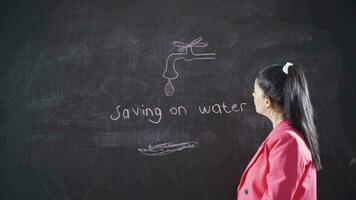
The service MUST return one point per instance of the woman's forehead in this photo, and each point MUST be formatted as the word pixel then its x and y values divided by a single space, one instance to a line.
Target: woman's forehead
pixel 256 84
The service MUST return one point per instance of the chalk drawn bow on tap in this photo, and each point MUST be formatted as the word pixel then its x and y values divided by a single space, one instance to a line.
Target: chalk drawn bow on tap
pixel 185 52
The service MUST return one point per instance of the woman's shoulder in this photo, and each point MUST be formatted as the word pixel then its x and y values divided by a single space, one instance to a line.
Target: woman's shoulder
pixel 285 135
pixel 285 132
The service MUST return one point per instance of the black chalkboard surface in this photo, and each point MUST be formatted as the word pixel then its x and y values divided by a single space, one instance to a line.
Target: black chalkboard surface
pixel 133 99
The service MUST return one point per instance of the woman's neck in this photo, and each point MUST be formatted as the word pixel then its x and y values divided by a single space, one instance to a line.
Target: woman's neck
pixel 276 118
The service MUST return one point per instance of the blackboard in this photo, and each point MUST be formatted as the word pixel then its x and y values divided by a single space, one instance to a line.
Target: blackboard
pixel 133 99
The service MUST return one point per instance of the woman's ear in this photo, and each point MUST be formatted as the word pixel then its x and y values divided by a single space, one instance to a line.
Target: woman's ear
pixel 268 102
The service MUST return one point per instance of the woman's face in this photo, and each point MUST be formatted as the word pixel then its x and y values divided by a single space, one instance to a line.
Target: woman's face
pixel 260 100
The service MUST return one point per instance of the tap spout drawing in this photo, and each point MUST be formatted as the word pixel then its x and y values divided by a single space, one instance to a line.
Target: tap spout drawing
pixel 185 52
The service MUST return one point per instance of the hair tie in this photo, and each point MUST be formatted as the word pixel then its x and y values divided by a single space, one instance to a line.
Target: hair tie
pixel 286 66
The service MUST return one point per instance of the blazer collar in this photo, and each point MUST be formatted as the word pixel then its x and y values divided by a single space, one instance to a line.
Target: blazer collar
pixel 259 151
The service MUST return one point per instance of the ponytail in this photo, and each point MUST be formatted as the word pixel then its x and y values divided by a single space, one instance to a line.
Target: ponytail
pixel 299 110
pixel 288 88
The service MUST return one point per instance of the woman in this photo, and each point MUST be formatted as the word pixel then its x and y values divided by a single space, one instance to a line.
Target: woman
pixel 284 167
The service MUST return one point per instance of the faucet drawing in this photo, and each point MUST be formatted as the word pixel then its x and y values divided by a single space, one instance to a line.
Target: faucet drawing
pixel 185 52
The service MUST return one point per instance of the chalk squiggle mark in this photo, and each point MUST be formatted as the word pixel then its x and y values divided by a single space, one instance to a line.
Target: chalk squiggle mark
pixel 166 148
pixel 186 53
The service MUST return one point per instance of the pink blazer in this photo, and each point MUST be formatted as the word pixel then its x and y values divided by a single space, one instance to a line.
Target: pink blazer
pixel 281 169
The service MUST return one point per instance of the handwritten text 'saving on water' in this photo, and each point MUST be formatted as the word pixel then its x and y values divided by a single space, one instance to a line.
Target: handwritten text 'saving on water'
pixel 155 114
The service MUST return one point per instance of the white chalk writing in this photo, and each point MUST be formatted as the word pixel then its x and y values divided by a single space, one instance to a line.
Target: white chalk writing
pixel 155 114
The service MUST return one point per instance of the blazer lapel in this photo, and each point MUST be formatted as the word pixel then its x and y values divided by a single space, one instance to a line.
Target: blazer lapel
pixel 259 151
pixel 253 160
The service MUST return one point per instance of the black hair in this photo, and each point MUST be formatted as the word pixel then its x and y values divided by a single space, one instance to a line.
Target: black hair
pixel 290 92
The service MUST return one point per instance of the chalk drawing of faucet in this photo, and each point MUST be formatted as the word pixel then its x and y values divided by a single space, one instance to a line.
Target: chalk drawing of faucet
pixel 186 53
